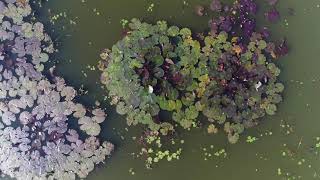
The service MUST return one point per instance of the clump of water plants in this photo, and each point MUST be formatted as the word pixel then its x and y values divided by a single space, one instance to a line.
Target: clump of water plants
pixel 159 68
pixel 226 74
pixel 149 62
pixel 36 140
pixel 154 150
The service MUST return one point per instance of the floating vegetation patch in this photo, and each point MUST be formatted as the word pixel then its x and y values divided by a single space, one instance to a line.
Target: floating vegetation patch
pixel 226 74
pixel 164 69
pixel 155 151
pixel 36 140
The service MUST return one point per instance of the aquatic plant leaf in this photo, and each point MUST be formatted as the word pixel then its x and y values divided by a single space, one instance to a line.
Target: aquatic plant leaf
pixel 192 112
pixel 135 64
pixel 272 2
pixel 216 6
pixel 185 32
pixel 272 15
pixel 233 138
pixel 271 109
pixel 262 44
pixel 173 31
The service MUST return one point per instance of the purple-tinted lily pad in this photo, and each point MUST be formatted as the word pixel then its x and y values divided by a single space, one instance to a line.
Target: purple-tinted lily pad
pixel 265 32
pixel 216 6
pixel 273 15
pixel 282 48
pixel 272 2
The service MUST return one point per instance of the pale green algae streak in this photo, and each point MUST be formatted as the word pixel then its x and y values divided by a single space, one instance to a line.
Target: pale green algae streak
pixel 36 141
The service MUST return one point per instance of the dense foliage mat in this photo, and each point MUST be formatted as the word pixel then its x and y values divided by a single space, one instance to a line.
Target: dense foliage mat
pixel 157 68
pixel 37 140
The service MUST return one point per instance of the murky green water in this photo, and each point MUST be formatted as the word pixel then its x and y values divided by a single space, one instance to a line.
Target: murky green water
pixel 80 45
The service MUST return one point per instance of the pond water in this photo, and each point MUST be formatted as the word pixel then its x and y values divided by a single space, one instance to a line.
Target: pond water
pixel 283 150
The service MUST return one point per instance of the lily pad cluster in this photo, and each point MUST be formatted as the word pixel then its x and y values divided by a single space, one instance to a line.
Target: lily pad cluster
pixel 156 69
pixel 149 71
pixel 36 111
